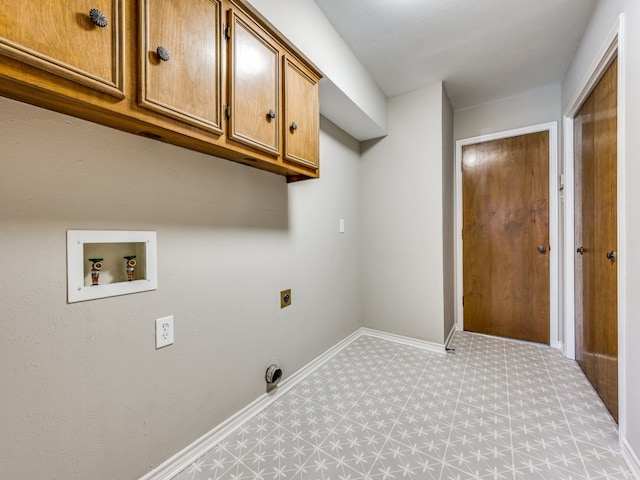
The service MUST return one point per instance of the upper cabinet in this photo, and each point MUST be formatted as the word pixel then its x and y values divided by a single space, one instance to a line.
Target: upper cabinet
pixel 208 75
pixel 80 40
pixel 254 84
pixel 302 114
pixel 180 60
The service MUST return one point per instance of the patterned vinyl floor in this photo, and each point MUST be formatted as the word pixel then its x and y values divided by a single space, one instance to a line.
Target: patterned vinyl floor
pixel 381 410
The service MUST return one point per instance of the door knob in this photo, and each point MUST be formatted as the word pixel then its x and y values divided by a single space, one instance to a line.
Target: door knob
pixel 580 250
pixel 542 249
pixel 611 256
pixel 163 53
pixel 271 114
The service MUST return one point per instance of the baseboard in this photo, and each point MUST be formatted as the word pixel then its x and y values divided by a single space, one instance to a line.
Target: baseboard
pixel 412 342
pixel 181 460
pixel 191 453
pixel 452 332
pixel 631 457
pixel 177 463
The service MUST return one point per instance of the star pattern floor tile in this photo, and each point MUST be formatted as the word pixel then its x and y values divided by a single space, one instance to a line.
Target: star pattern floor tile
pixel 381 410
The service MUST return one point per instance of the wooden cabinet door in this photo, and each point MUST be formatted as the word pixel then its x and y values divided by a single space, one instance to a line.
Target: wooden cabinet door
pixel 61 38
pixel 254 86
pixel 181 60
pixel 302 115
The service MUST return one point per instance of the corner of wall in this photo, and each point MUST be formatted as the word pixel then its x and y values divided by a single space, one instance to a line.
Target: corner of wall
pixel 448 216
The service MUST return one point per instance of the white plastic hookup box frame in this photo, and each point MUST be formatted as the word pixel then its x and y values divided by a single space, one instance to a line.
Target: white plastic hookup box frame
pixel 85 243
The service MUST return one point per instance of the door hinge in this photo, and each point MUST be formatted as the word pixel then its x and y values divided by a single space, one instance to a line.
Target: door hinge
pixel 227 32
pixel 227 111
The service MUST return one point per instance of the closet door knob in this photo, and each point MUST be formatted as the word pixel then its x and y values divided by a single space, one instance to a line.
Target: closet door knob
pixel 294 126
pixel 611 256
pixel 542 249
pixel 580 250
pixel 163 53
pixel 271 114
pixel 98 18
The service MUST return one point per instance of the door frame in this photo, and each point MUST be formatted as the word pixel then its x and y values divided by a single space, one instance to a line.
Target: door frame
pixel 613 45
pixel 552 128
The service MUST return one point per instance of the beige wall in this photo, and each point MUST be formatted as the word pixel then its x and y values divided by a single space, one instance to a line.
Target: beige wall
pixel 84 392
pixel 401 218
pixel 448 215
pixel 531 108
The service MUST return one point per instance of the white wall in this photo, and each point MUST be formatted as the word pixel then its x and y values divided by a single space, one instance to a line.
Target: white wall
pixel 84 392
pixel 531 108
pixel 349 97
pixel 401 219
pixel 602 23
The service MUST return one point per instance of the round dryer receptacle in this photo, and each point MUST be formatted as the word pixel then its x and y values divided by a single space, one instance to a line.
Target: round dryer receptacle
pixel 273 375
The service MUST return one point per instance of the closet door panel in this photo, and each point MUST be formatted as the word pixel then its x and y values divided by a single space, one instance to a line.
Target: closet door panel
pixel 595 135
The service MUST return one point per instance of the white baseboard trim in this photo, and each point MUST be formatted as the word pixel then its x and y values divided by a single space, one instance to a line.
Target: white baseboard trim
pixel 447 342
pixel 181 460
pixel 631 457
pixel 412 342
pixel 557 346
pixel 177 463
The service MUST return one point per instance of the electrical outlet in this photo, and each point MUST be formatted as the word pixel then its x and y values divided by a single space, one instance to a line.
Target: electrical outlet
pixel 285 298
pixel 164 331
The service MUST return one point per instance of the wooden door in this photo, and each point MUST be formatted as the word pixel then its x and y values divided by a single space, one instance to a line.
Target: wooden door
pixel 254 86
pixel 62 38
pixel 182 81
pixel 302 112
pixel 596 272
pixel 505 194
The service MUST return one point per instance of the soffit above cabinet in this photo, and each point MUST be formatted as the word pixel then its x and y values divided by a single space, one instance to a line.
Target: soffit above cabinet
pixel 348 95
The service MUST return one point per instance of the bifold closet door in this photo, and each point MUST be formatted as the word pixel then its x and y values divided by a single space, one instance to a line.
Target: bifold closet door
pixel 596 267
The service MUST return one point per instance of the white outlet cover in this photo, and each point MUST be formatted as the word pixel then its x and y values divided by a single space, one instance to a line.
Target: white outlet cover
pixel 164 331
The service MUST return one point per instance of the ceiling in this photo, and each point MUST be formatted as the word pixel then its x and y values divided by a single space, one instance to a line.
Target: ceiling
pixel 483 50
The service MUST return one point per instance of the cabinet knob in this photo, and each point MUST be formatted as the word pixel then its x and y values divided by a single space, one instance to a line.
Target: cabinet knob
pixel 294 126
pixel 580 250
pixel 611 256
pixel 163 53
pixel 271 114
pixel 98 18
